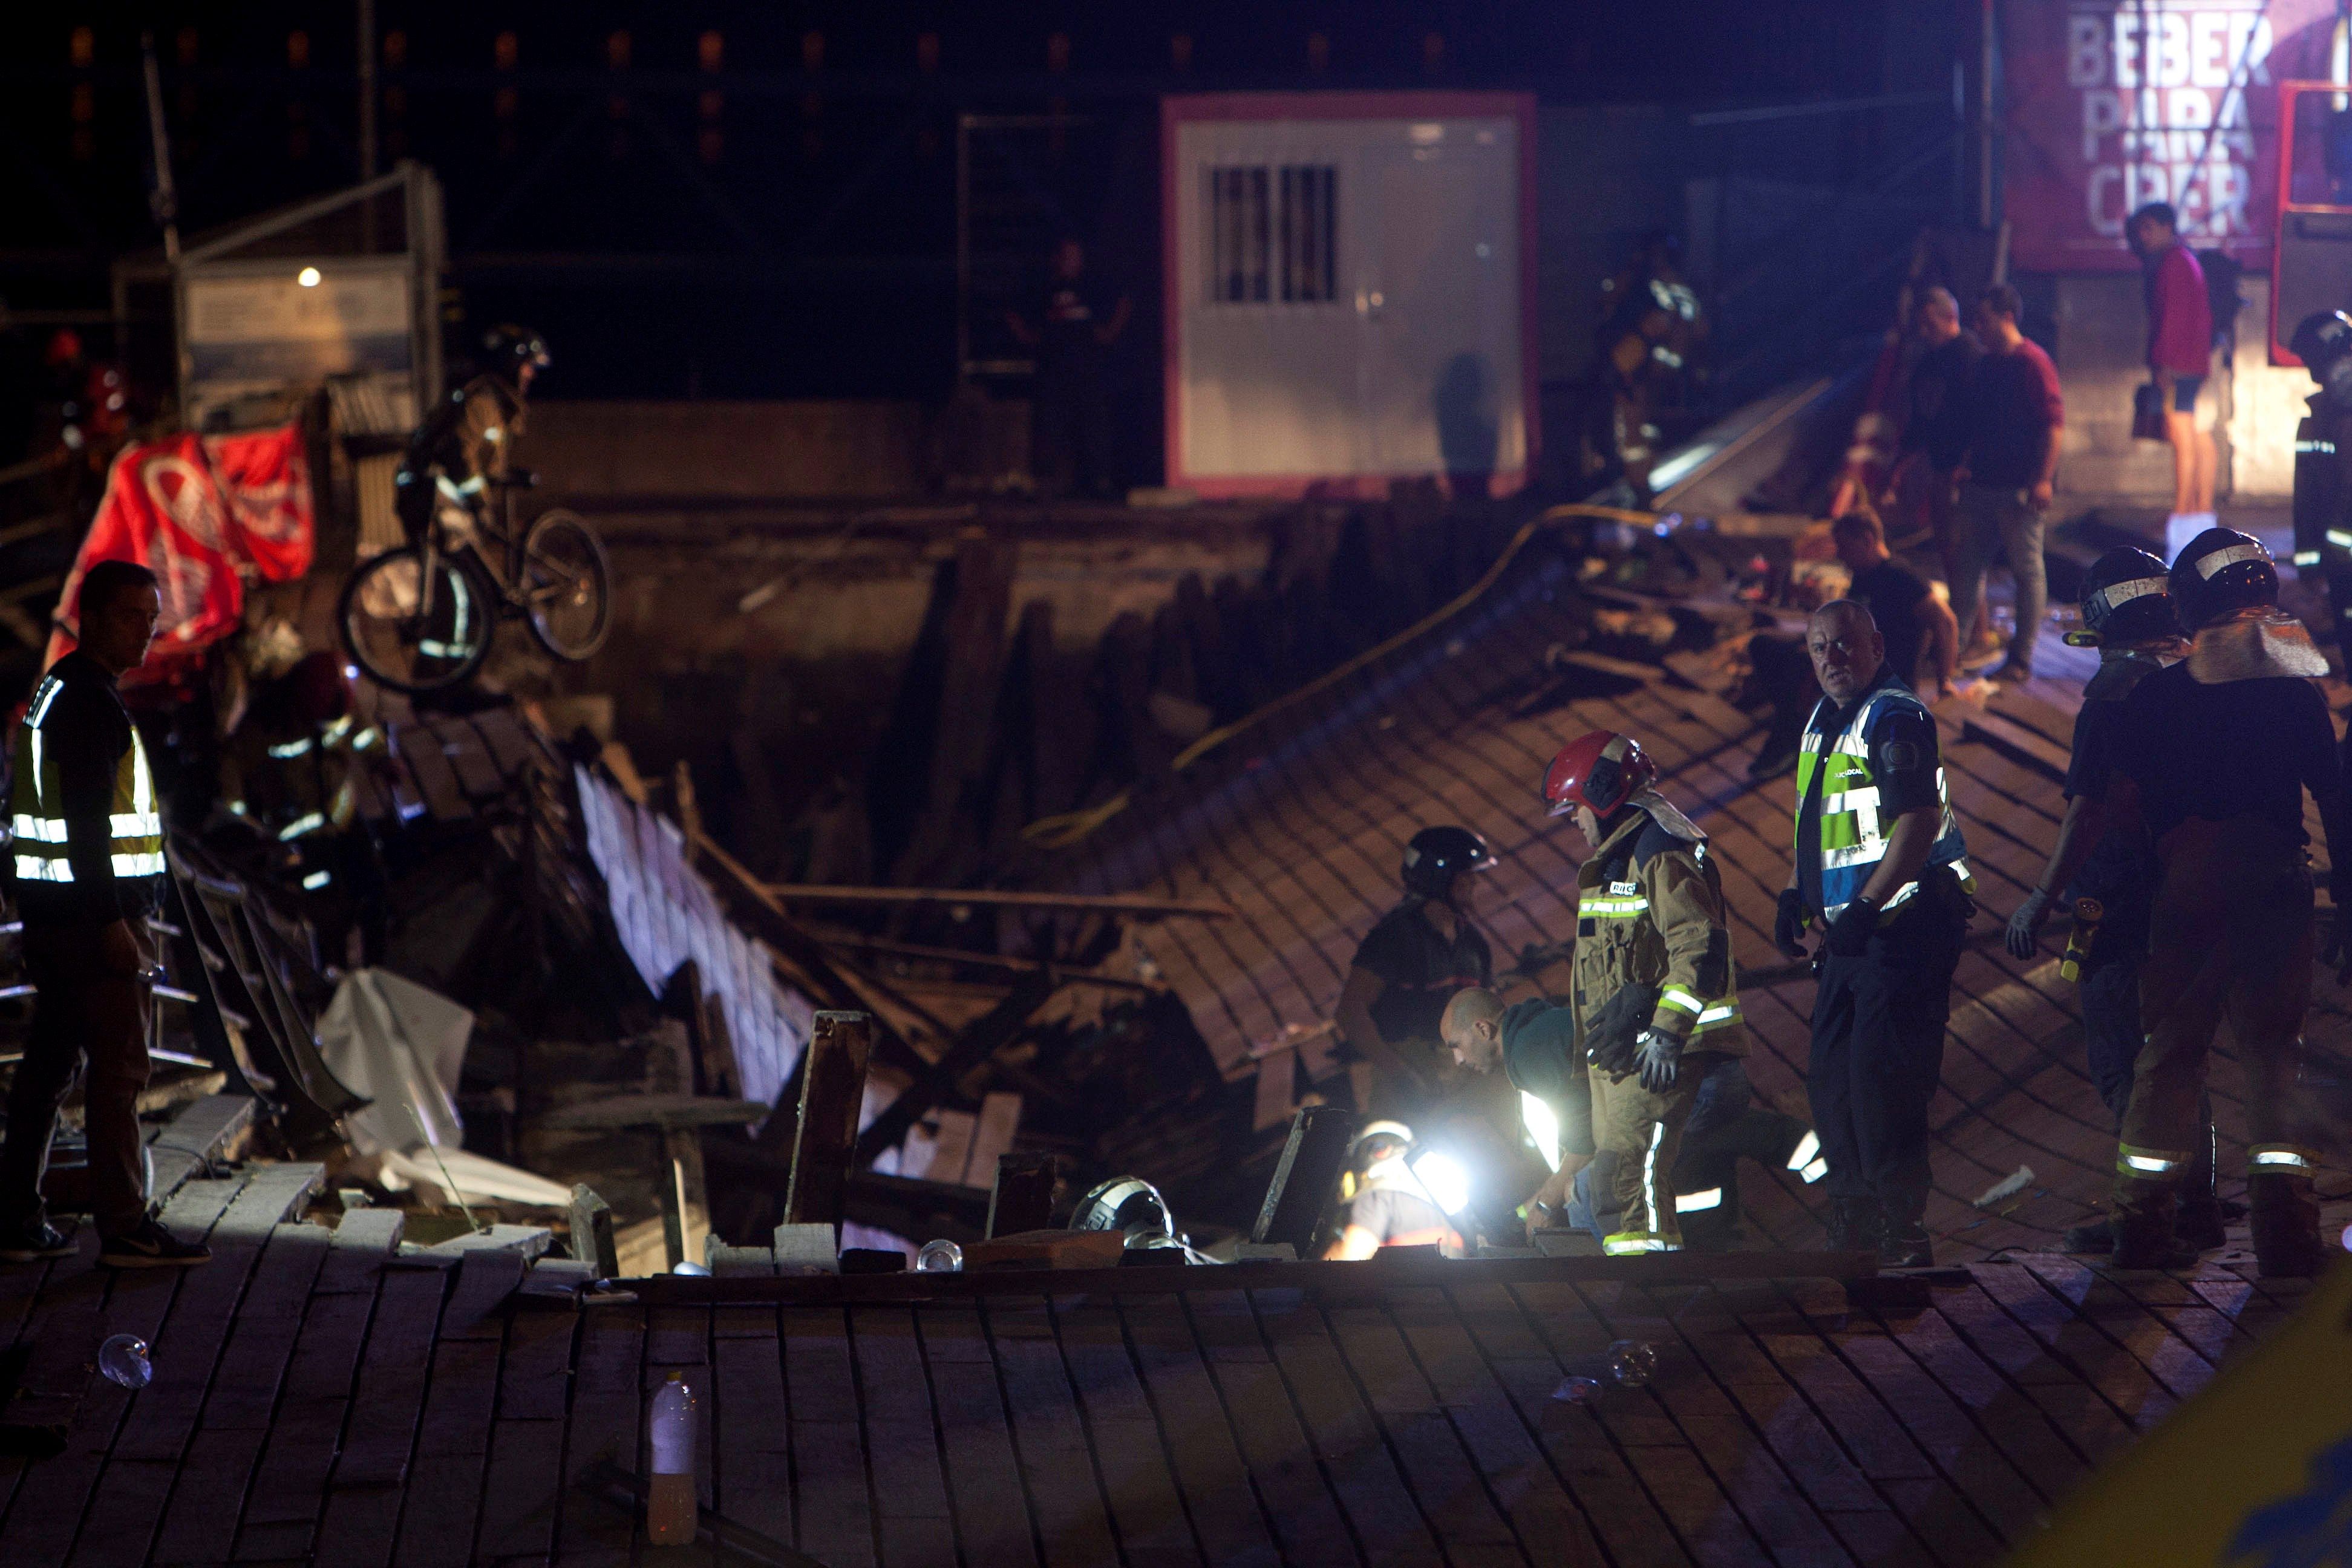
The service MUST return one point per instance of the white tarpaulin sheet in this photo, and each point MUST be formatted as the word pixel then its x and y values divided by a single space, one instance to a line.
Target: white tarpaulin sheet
pixel 403 1047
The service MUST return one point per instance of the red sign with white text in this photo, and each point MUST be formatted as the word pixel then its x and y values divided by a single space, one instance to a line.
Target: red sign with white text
pixel 2112 104
pixel 202 513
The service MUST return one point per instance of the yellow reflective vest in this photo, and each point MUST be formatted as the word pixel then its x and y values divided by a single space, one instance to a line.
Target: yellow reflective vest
pixel 135 822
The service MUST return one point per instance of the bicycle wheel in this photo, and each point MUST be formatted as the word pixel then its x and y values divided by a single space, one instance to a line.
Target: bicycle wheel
pixel 566 586
pixel 411 639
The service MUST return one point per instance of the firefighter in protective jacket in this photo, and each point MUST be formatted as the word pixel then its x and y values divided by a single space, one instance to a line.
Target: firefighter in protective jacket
pixel 1655 996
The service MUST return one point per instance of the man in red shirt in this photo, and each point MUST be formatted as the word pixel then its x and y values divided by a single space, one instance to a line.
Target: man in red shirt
pixel 2015 415
pixel 2179 348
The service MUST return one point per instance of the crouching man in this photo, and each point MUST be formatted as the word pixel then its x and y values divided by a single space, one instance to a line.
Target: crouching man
pixel 1653 982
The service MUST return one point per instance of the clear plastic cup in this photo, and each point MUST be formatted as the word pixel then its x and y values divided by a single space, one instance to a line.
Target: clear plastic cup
pixel 123 1360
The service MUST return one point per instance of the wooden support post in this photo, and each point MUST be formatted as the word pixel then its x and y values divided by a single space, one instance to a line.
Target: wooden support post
pixel 591 1233
pixel 1305 1178
pixel 1023 1198
pixel 685 1204
pixel 833 1089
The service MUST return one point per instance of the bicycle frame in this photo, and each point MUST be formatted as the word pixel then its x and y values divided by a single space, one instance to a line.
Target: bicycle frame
pixel 496 523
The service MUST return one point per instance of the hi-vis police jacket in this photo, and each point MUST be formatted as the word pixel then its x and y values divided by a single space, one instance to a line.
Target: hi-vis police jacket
pixel 87 832
pixel 1855 833
pixel 1650 911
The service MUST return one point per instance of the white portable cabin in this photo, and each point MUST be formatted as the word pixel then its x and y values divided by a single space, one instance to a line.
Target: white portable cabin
pixel 1349 290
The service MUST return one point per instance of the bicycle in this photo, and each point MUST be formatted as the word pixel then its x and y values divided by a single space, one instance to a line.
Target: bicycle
pixel 421 616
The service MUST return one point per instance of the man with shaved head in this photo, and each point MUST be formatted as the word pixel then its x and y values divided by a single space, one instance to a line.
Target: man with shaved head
pixel 1880 871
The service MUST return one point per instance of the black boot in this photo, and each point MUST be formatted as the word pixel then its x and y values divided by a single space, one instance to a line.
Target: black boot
pixel 2092 1236
pixel 2199 1222
pixel 1855 1225
pixel 1906 1247
pixel 1710 1230
pixel 2285 1223
pixel 2146 1240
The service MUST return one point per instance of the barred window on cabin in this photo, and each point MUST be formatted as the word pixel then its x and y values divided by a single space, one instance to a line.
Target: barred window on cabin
pixel 1272 233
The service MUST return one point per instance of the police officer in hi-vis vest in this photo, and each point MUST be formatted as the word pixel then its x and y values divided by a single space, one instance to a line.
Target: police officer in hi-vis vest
pixel 1880 870
pixel 88 853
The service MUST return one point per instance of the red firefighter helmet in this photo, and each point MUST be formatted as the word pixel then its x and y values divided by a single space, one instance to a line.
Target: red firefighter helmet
pixel 1602 771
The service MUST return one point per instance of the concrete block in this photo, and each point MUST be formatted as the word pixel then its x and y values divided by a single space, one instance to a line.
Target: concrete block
pixel 807 1249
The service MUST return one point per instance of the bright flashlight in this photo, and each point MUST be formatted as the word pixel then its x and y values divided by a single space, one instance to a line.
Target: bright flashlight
pixel 1443 1177
pixel 1543 1127
pixel 307 278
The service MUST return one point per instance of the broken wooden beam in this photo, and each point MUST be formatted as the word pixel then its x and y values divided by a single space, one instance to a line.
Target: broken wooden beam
pixel 657 1110
pixel 825 1136
pixel 686 1202
pixel 1307 1178
pixel 1144 906
pixel 591 1233
pixel 982 1039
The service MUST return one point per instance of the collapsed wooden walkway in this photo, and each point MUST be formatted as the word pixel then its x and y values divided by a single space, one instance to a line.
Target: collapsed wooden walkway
pixel 1301 830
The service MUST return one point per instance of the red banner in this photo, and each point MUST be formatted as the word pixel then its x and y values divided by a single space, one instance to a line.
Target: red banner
pixel 2112 104
pixel 202 514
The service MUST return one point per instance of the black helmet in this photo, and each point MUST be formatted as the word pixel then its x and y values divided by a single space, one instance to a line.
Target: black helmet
pixel 2126 598
pixel 2219 570
pixel 2323 341
pixel 507 348
pixel 1435 856
pixel 2321 338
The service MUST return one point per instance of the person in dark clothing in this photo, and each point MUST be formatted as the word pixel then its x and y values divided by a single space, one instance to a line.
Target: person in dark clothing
pixel 1935 424
pixel 1881 869
pixel 1921 635
pixel 1420 954
pixel 2127 606
pixel 466 445
pixel 2012 471
pixel 89 864
pixel 1072 329
pixel 2216 755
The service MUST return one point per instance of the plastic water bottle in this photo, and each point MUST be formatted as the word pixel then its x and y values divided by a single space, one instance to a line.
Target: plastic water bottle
pixel 123 1360
pixel 670 1511
pixel 939 1256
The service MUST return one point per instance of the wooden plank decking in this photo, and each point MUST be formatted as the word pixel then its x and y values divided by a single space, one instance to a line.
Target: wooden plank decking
pixel 313 1404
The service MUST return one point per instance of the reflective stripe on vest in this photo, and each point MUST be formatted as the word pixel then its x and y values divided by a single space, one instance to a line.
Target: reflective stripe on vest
pixel 38 823
pixel 1853 840
pixel 1706 1016
pixel 1603 907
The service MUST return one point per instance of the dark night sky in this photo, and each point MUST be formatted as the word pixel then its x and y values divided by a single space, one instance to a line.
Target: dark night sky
pixel 822 212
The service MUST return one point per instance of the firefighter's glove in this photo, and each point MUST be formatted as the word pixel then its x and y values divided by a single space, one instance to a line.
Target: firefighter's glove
pixel 1660 1056
pixel 1788 925
pixel 1612 1040
pixel 1849 935
pixel 2025 925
